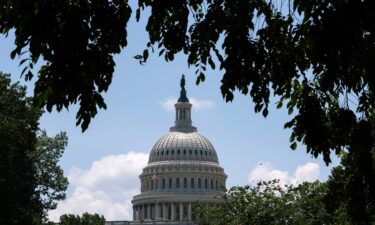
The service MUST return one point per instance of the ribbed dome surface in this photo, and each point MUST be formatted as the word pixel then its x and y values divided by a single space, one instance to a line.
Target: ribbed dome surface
pixel 183 146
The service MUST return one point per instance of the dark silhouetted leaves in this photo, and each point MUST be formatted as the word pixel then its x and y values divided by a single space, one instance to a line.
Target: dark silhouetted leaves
pixel 76 40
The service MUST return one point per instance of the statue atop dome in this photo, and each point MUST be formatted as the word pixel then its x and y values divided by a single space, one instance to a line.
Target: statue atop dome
pixel 183 97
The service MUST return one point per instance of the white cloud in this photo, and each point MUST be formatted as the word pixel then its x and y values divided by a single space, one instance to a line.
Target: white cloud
pixel 201 104
pixel 198 104
pixel 168 103
pixel 265 171
pixel 307 172
pixel 107 187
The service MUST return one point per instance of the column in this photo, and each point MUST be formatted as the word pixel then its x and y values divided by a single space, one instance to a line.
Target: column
pixel 157 214
pixel 181 211
pixel 165 214
pixel 173 216
pixel 189 211
pixel 149 211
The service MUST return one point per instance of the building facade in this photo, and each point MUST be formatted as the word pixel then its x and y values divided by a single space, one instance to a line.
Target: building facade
pixel 183 169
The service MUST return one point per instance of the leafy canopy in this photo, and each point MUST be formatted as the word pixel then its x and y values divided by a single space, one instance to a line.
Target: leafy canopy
pixel 51 182
pixel 31 181
pixel 312 55
pixel 268 203
pixel 76 40
pixel 18 127
pixel 85 219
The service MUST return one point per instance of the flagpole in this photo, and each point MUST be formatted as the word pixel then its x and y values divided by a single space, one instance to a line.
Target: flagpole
pixel 155 177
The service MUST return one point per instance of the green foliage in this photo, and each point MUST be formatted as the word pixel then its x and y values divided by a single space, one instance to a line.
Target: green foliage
pixel 315 57
pixel 76 40
pixel 86 219
pixel 345 201
pixel 50 177
pixel 262 49
pixel 268 203
pixel 18 127
pixel 30 180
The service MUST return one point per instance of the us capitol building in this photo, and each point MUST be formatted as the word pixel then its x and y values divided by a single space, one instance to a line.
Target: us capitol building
pixel 182 169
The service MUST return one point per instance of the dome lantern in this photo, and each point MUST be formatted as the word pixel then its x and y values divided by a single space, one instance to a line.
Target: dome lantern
pixel 183 122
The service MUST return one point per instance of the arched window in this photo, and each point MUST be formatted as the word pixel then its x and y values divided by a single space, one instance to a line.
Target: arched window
pixel 152 185
pixel 212 184
pixel 184 152
pixel 185 182
pixel 205 184
pixel 199 183
pixel 163 184
pixel 217 185
pixel 147 185
pixel 177 182
pixel 192 183
pixel 170 183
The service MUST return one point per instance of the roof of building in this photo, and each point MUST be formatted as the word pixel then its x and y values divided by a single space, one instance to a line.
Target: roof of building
pixel 183 146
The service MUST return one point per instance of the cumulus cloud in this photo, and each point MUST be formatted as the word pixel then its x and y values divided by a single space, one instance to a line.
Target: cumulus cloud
pixel 265 171
pixel 198 104
pixel 201 104
pixel 107 187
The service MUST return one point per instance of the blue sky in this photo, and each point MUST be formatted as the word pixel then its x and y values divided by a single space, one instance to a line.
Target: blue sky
pixel 136 118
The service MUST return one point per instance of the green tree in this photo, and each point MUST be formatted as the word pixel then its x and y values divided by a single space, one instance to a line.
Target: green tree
pixel 85 219
pixel 308 205
pixel 268 203
pixel 51 182
pixel 18 127
pixel 30 180
pixel 340 195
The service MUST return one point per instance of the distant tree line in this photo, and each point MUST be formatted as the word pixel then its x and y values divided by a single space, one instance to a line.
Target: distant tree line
pixel 85 219
pixel 308 203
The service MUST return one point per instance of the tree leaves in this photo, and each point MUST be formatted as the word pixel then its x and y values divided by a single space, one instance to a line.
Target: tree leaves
pixel 85 219
pixel 31 181
pixel 268 203
pixel 51 181
pixel 77 41
pixel 18 127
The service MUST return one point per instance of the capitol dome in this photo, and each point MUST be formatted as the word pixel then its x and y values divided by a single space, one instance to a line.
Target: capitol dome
pixel 183 146
pixel 183 169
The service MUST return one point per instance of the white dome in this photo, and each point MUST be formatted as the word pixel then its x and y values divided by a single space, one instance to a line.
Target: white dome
pixel 183 146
